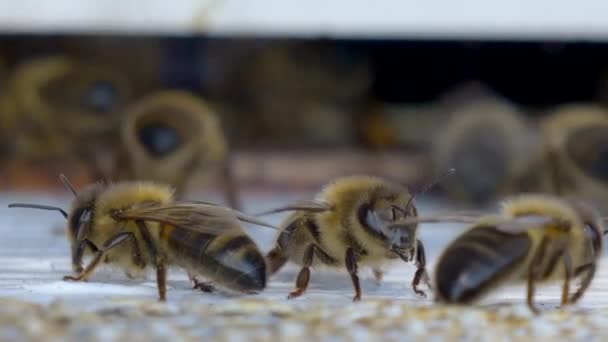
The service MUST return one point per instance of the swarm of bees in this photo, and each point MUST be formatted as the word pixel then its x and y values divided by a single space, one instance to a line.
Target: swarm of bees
pixel 139 223
pixel 354 221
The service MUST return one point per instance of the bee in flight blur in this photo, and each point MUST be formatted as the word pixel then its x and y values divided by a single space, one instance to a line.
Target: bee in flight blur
pixel 138 224
pixel 536 238
pixel 354 221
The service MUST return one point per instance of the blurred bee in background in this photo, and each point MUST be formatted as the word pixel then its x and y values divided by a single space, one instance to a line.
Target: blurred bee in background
pixel 168 137
pixel 63 101
pixel 300 92
pixel 490 144
pixel 354 221
pixel 138 224
pixel 576 152
pixel 8 114
pixel 536 238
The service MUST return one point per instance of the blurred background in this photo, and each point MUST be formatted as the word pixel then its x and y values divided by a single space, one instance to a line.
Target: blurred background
pixel 230 96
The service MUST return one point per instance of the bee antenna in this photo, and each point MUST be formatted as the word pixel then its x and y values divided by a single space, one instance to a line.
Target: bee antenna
pixel 38 206
pixel 429 186
pixel 67 184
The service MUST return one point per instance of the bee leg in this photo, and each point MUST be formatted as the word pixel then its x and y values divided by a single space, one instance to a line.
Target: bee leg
pixel 78 254
pixel 378 274
pixel 304 275
pixel 421 273
pixel 589 270
pixel 159 260
pixel 100 254
pixel 275 259
pixel 351 265
pixel 533 273
pixel 201 285
pixel 567 277
pixel 161 278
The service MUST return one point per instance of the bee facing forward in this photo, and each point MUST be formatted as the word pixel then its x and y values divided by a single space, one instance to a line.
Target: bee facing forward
pixel 137 224
pixel 354 221
pixel 536 238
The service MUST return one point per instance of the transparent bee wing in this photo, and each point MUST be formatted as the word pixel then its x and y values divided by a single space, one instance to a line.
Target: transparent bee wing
pixel 207 218
pixel 238 214
pixel 315 206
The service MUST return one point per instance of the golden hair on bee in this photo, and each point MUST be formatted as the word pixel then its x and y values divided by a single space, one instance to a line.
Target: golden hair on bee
pixel 535 238
pixel 137 225
pixel 356 220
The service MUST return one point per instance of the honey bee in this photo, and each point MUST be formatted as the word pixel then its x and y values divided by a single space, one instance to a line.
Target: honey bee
pixel 536 238
pixel 576 150
pixel 62 100
pixel 356 220
pixel 138 224
pixel 170 135
pixel 491 145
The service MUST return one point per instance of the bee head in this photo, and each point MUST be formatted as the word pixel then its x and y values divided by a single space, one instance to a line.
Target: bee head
pixel 81 214
pixel 80 217
pixel 388 221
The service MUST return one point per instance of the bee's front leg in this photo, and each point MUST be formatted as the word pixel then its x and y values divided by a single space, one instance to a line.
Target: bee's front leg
pixel 79 253
pixel 421 273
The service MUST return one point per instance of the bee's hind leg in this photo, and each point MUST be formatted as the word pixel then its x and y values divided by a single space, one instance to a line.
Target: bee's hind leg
pixel 201 285
pixel 568 274
pixel 533 274
pixel 589 270
pixel 275 259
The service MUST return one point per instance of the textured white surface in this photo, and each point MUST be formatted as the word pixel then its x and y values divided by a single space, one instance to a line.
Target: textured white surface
pixel 34 256
pixel 477 19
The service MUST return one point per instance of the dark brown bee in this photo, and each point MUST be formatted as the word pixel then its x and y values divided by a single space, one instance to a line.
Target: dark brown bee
pixel 137 224
pixel 354 221
pixel 168 137
pixel 536 238
pixel 576 150
pixel 491 145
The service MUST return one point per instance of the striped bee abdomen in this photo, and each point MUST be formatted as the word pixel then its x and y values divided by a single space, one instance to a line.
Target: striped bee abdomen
pixel 230 260
pixel 477 260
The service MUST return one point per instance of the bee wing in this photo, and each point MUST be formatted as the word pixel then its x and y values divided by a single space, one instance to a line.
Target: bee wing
pixel 211 219
pixel 238 214
pixel 315 206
